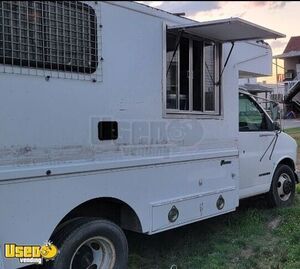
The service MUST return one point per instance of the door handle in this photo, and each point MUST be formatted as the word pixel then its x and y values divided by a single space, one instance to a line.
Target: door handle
pixel 264 135
pixel 223 162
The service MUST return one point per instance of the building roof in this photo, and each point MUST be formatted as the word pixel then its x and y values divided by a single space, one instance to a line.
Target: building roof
pixel 255 88
pixel 289 54
pixel 292 48
pixel 293 44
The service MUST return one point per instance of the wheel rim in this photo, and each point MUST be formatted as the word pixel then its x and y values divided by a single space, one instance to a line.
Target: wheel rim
pixel 94 253
pixel 284 187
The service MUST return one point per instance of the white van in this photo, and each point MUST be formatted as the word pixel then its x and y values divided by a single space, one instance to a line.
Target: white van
pixel 116 115
pixel 265 152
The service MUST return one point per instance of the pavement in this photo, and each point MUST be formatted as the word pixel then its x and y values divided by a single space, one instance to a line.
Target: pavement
pixel 290 123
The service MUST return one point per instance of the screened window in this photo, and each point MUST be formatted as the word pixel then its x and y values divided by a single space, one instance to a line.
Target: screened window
pixel 56 35
pixel 192 73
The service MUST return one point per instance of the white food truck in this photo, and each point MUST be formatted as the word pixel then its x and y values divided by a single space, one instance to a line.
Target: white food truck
pixel 116 115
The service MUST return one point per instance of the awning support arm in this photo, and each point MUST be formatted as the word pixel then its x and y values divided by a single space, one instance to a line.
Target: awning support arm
pixel 227 59
pixel 176 48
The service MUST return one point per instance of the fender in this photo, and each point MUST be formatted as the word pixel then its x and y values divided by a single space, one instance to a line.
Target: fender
pixel 282 160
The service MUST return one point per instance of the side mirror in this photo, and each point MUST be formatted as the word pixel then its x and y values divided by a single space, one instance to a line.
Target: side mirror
pixel 276 126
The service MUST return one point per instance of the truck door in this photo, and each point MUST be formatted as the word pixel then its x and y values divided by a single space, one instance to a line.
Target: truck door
pixel 255 146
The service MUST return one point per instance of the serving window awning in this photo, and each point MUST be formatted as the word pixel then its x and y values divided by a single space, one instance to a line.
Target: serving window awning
pixel 227 30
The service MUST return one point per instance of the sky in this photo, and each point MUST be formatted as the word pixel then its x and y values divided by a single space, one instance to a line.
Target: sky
pixel 281 16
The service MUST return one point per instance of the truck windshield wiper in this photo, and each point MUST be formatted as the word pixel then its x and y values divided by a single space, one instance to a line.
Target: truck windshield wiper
pixel 276 135
pixel 274 139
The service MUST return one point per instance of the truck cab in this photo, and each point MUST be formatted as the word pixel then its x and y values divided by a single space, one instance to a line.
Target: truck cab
pixel 264 150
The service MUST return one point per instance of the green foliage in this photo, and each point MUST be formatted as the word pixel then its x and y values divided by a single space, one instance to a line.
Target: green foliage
pixel 295 133
pixel 298 188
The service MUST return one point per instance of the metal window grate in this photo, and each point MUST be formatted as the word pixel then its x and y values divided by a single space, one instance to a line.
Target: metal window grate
pixel 50 38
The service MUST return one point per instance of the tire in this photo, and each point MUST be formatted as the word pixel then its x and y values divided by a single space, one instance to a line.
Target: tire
pixel 282 191
pixel 96 242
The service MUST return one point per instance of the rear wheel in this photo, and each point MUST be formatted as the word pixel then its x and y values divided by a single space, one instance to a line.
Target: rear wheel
pixel 90 244
pixel 282 191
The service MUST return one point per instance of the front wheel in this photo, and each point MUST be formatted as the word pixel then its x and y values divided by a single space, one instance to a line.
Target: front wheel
pixel 91 244
pixel 282 191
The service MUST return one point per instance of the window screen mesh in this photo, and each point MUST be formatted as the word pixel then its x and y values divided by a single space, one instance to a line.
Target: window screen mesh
pixel 49 35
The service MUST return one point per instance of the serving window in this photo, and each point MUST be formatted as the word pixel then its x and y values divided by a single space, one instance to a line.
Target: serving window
pixel 192 75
